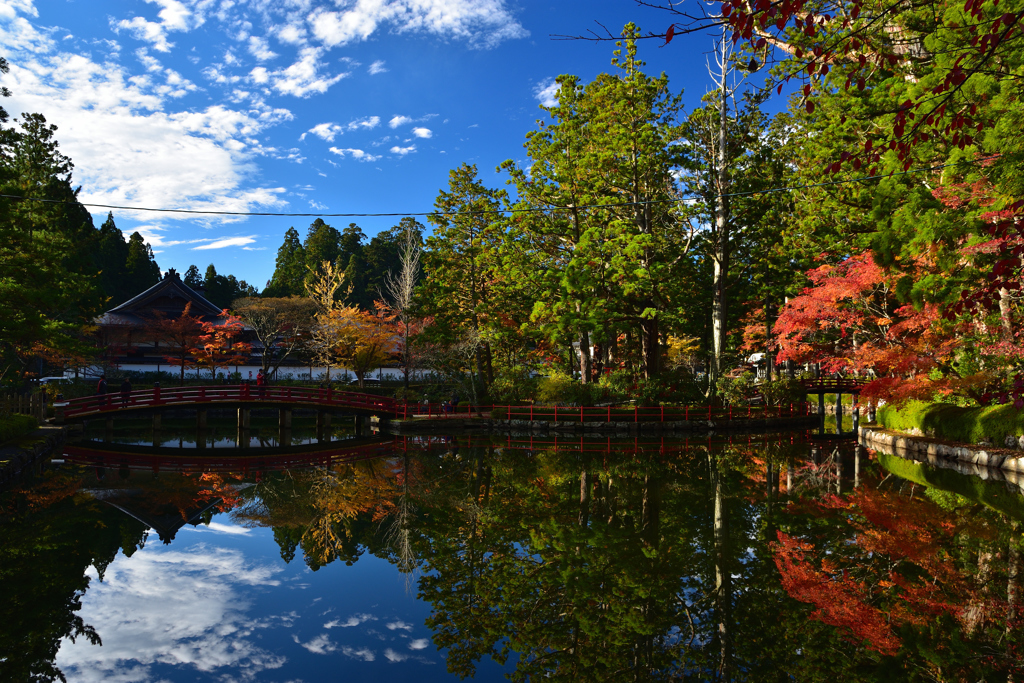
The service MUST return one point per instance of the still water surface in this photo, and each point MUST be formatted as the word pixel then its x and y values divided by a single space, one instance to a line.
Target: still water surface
pixel 764 558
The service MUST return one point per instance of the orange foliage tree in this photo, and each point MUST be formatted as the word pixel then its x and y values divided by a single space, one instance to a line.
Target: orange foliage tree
pixel 218 346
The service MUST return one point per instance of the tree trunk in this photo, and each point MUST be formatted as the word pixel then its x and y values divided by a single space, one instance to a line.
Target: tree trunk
pixel 1005 303
pixel 585 359
pixel 650 347
pixel 721 257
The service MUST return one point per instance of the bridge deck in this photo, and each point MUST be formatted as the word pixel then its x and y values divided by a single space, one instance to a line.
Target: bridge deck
pixel 247 395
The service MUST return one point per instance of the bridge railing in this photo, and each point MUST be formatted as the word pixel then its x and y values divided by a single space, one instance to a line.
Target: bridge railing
pixel 834 385
pixel 188 396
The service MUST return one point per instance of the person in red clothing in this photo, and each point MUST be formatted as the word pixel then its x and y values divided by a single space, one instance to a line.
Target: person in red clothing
pixel 261 383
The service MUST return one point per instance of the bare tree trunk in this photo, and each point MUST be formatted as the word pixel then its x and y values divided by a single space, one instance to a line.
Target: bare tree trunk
pixel 719 300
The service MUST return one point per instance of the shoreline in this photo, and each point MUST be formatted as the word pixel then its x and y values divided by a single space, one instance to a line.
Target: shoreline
pixel 981 456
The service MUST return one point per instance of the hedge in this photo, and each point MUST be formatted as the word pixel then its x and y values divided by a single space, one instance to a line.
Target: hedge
pixel 947 421
pixel 15 426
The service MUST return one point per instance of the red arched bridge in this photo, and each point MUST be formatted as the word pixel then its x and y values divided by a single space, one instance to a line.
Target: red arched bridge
pixel 243 395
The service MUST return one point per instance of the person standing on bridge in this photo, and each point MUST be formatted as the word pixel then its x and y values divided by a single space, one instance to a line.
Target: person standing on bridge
pixel 101 389
pixel 261 384
pixel 126 392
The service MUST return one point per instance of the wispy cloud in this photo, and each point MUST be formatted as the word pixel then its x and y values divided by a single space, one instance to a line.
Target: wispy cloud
pixel 482 23
pixel 402 151
pixel 377 67
pixel 546 92
pixel 397 121
pixel 358 154
pixel 226 242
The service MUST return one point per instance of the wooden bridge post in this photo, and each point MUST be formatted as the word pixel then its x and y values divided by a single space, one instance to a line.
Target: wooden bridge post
pixel 108 428
pixel 323 425
pixel 201 418
pixel 359 425
pixel 839 411
pixel 243 418
pixel 856 421
pixel 284 418
pixel 821 404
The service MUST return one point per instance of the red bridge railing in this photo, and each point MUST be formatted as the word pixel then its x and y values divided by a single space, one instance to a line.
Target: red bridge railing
pixel 229 394
pixel 832 385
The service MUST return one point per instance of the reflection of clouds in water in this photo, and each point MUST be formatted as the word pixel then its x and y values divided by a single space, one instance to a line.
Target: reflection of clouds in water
pixel 398 623
pixel 393 656
pixel 321 645
pixel 353 620
pixel 219 528
pixel 363 653
pixel 419 644
pixel 176 608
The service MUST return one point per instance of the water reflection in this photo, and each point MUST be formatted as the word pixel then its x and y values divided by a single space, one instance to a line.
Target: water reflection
pixel 585 560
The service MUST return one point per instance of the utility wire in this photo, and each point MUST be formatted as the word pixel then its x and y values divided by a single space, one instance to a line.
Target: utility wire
pixel 691 197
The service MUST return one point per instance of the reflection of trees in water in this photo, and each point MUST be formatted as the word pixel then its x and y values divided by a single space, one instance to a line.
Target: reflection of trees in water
pixel 49 537
pixel 641 566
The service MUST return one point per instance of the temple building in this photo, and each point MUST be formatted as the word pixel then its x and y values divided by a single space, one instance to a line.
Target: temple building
pixel 126 330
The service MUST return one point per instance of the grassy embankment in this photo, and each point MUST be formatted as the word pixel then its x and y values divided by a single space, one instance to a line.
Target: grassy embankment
pixel 946 421
pixel 16 426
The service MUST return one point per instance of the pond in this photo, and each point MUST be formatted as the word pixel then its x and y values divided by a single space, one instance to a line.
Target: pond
pixel 770 557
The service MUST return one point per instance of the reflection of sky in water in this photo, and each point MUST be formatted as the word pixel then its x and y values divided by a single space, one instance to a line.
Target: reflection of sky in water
pixel 219 604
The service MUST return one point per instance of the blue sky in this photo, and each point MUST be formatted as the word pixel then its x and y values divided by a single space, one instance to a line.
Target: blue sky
pixel 331 106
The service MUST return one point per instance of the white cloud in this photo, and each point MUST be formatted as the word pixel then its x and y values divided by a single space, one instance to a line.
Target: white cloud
pixel 130 146
pixel 546 92
pixel 368 122
pixel 260 49
pixel 173 15
pixel 422 132
pixel 399 624
pixel 325 131
pixel 292 34
pixel 302 79
pixel 377 68
pixel 402 151
pixel 314 204
pixel 321 645
pixel 482 23
pixel 171 608
pixel 399 121
pixel 355 154
pixel 226 242
pixel 418 644
pixel 393 656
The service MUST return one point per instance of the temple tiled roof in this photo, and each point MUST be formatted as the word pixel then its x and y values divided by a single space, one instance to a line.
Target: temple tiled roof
pixel 167 297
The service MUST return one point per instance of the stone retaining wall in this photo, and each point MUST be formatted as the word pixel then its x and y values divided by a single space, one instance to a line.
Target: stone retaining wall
pixel 871 436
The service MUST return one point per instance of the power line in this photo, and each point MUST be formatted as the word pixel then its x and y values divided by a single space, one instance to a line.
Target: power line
pixel 690 197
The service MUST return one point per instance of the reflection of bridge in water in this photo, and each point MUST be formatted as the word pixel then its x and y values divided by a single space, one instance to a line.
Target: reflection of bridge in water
pixel 253 460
